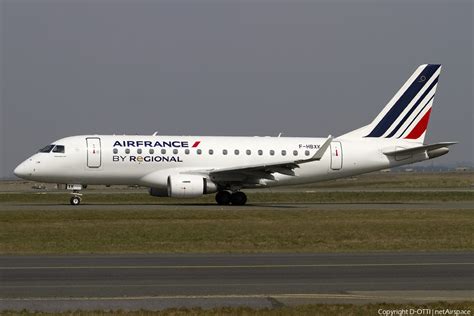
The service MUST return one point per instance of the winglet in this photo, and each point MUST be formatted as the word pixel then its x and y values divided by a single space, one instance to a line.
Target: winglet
pixel 320 153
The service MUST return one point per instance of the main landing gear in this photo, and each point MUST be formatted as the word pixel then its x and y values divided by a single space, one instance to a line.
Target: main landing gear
pixel 226 198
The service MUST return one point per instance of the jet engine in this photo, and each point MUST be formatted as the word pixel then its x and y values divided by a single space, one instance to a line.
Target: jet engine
pixel 185 186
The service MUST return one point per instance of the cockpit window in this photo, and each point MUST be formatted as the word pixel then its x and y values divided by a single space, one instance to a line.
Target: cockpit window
pixel 58 149
pixel 46 149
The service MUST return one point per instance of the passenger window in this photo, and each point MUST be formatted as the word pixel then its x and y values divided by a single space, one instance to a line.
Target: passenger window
pixel 139 151
pixel 248 152
pixel 186 151
pixel 127 150
pixel 224 151
pixel 260 152
pixel 199 151
pixel 163 151
pixel 115 151
pixel 306 152
pixel 59 149
pixel 175 151
pixel 283 152
pixel 211 151
pixel 295 153
pixel 46 149
pixel 236 151
pixel 151 151
pixel 272 152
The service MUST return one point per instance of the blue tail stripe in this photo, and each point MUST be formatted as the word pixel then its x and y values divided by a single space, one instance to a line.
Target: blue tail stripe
pixel 424 106
pixel 403 101
pixel 413 107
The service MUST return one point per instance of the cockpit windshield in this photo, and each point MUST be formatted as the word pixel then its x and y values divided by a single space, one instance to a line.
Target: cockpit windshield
pixel 46 149
pixel 55 149
pixel 58 149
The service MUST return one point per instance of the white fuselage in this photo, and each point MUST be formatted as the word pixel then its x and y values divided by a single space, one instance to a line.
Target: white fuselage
pixel 149 160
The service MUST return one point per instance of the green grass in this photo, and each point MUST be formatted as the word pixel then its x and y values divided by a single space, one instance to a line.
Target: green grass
pixel 223 231
pixel 253 197
pixel 416 180
pixel 251 229
pixel 317 309
pixel 374 180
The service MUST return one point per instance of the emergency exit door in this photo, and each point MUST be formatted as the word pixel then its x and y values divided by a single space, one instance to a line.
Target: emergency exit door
pixel 94 155
pixel 336 155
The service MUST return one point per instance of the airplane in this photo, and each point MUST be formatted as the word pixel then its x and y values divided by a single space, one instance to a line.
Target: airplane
pixel 192 166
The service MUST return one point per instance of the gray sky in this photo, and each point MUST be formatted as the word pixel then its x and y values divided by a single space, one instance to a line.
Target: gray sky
pixel 308 68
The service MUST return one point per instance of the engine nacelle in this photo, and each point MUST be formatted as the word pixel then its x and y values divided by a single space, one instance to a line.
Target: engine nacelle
pixel 184 186
pixel 189 186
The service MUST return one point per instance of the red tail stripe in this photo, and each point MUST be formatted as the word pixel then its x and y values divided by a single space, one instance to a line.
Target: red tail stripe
pixel 420 128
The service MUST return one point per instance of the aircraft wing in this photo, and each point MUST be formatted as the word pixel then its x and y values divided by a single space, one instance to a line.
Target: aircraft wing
pixel 419 149
pixel 253 173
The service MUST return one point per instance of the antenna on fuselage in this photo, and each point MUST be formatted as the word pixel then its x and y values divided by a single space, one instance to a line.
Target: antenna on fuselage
pixel 279 134
pixel 155 133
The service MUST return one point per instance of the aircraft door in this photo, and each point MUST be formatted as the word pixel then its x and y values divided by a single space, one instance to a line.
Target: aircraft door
pixel 94 154
pixel 336 155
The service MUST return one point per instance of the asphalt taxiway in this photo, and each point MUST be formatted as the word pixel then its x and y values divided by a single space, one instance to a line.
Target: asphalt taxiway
pixel 54 283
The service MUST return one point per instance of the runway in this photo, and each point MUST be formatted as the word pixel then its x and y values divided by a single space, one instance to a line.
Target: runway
pixel 52 283
pixel 353 206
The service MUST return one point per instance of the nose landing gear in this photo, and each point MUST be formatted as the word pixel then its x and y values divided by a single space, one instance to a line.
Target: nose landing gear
pixel 76 195
pixel 226 198
pixel 75 200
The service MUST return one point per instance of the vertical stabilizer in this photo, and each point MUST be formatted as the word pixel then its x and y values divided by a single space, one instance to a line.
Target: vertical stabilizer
pixel 407 114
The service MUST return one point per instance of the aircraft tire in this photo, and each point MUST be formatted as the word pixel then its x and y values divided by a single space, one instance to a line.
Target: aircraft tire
pixel 75 200
pixel 238 198
pixel 223 197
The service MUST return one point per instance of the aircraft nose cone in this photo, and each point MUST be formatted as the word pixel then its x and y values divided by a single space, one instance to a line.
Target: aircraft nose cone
pixel 22 170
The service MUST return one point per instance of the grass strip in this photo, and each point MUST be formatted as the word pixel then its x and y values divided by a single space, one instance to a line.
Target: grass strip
pixel 76 231
pixel 316 309
pixel 253 197
pixel 411 180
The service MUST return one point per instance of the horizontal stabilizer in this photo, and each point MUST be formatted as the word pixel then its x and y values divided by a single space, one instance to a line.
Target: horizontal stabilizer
pixel 420 149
